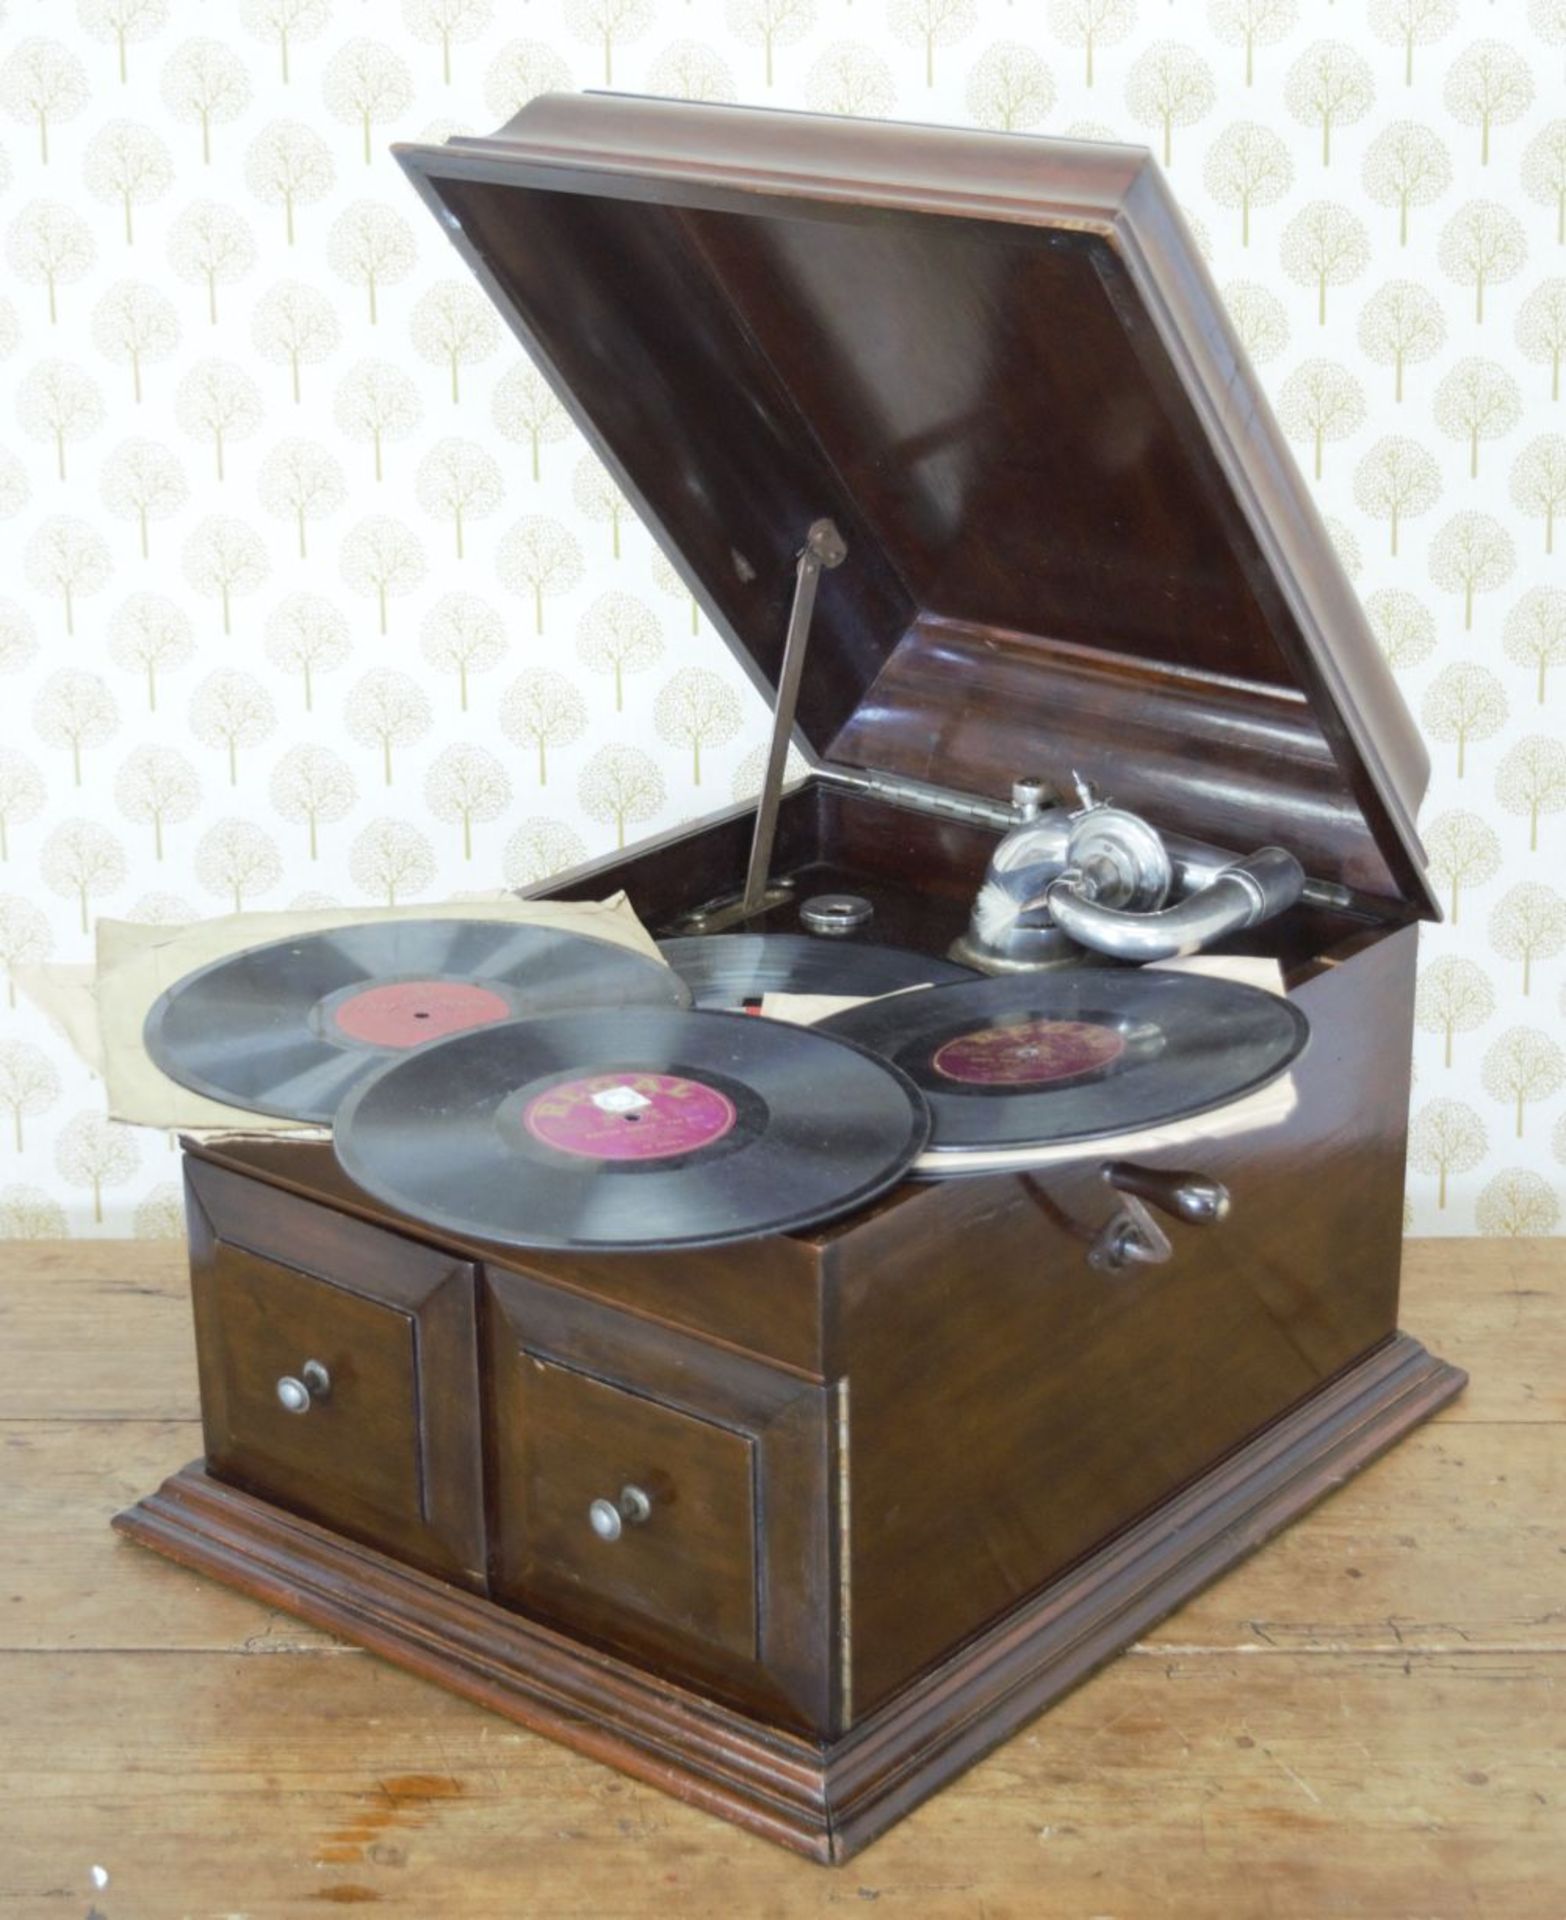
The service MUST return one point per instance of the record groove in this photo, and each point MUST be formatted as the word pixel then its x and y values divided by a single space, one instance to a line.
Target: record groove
pixel 658 1129
pixel 289 1027
pixel 1034 1060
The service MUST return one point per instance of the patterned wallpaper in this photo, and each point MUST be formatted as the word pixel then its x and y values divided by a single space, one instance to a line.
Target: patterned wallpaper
pixel 310 596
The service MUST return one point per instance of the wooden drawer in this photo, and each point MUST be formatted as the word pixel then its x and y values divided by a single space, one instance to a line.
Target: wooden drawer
pixel 663 1495
pixel 385 1447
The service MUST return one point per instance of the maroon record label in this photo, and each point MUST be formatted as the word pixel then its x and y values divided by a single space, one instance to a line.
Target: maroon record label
pixel 406 1013
pixel 629 1116
pixel 1033 1053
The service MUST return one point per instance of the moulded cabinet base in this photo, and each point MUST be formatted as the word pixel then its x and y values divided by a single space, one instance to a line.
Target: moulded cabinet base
pixel 825 1802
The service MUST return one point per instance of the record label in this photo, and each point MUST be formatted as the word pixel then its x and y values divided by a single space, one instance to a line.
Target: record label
pixel 630 1116
pixel 407 1013
pixel 1033 1053
pixel 655 1128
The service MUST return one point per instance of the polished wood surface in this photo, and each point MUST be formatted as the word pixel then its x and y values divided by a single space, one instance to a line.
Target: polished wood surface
pixel 390 1452
pixel 1359 1720
pixel 728 1583
pixel 1269 775
pixel 1073 1399
pixel 779 1313
pixel 999 365
pixel 970 1309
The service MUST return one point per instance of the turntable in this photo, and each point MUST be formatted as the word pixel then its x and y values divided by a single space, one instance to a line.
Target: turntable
pixel 951 441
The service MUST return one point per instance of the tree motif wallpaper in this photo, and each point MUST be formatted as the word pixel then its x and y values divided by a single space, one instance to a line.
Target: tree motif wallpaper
pixel 311 596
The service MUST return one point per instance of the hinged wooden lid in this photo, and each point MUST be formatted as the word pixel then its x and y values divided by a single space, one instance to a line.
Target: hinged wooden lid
pixel 1075 534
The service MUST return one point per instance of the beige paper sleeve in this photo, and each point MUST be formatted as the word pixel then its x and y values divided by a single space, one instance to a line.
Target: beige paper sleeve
pixel 137 962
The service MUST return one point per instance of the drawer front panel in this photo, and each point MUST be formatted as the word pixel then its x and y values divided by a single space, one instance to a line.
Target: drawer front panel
pixel 357 1443
pixel 664 1496
pixel 351 1399
pixel 690 1560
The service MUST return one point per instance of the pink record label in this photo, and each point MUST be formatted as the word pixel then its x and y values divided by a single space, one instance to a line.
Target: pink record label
pixel 406 1013
pixel 1033 1053
pixel 629 1116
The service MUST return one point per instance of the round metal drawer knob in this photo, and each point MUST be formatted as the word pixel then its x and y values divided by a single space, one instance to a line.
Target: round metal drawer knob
pixel 609 1518
pixel 298 1394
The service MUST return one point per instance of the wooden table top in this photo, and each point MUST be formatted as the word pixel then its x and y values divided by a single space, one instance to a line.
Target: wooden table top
pixel 1368 1718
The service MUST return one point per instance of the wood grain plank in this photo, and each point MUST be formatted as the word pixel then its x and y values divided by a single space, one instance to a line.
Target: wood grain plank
pixel 1456 1539
pixel 1364 1786
pixel 96 1330
pixel 1497 1308
pixel 67 1582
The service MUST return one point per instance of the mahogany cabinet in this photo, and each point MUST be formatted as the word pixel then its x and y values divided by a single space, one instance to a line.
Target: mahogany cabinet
pixel 870 1495
pixel 798 1528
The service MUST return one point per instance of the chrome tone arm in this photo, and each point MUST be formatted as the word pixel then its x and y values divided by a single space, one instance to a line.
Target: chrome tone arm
pixel 1242 895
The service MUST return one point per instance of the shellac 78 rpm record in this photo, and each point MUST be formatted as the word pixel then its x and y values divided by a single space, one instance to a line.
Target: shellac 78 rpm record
pixel 1032 1060
pixel 287 1028
pixel 654 1130
pixel 734 970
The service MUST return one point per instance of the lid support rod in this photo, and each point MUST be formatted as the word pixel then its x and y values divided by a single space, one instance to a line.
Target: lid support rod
pixel 824 547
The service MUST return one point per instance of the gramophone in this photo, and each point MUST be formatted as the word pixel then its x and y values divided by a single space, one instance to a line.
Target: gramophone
pixel 797 1529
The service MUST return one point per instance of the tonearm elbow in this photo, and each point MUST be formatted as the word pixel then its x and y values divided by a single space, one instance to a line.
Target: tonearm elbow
pixel 1240 895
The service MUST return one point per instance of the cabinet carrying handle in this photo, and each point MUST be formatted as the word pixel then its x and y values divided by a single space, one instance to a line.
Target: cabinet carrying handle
pixel 1192 1197
pixel 1133 1238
